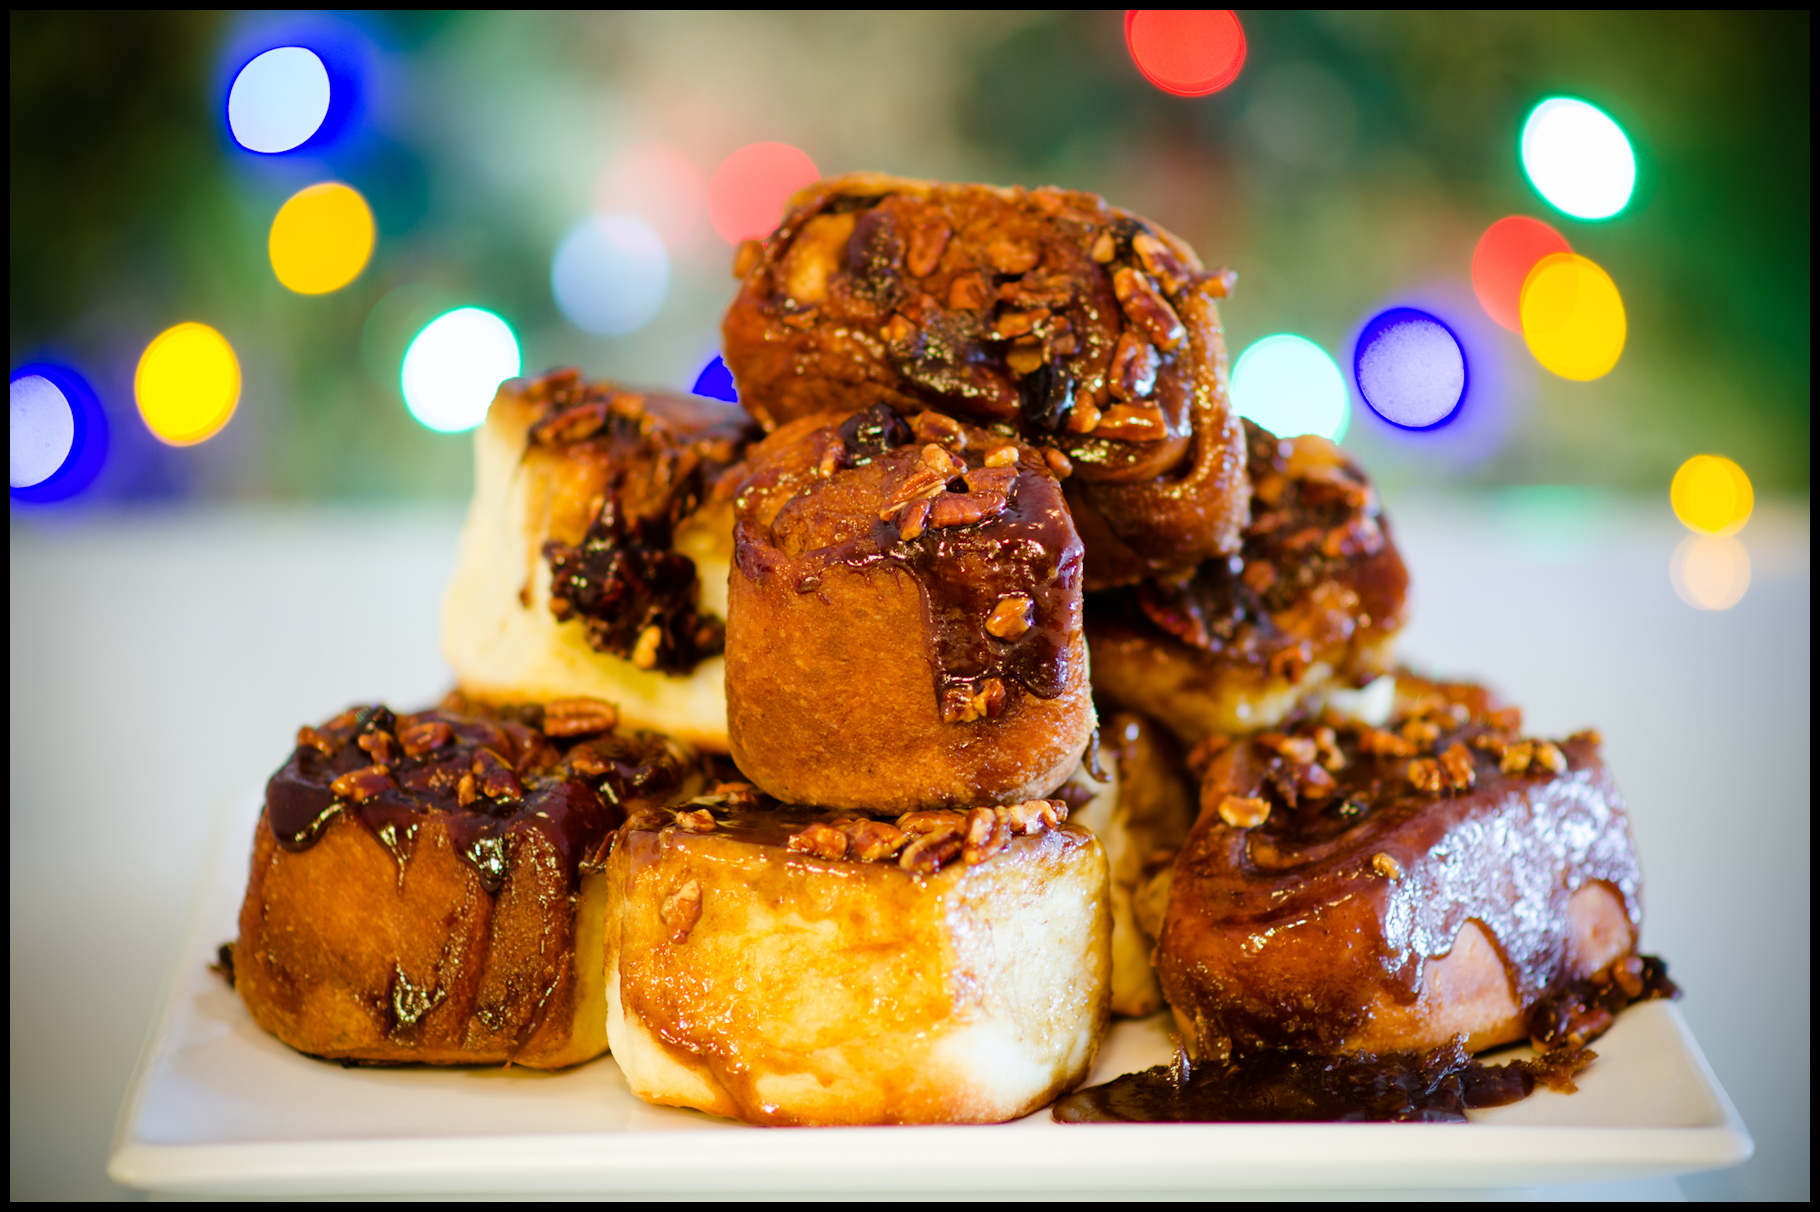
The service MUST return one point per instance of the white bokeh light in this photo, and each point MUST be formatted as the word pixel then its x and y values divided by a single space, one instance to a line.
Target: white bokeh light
pixel 454 367
pixel 43 428
pixel 1413 372
pixel 1291 387
pixel 279 100
pixel 610 274
pixel 1578 158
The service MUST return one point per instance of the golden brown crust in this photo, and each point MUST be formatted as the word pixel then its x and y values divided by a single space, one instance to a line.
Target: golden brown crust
pixel 904 618
pixel 1094 333
pixel 1313 601
pixel 1347 887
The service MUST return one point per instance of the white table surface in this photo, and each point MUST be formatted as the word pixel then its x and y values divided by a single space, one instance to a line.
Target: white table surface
pixel 162 660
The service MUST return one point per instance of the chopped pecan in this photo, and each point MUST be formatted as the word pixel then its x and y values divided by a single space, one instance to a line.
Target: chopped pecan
pixel 869 841
pixel 921 483
pixel 962 705
pixel 1420 733
pixel 1550 758
pixel 737 795
pixel 681 910
pixel 1162 264
pixel 1314 782
pixel 1386 866
pixel 465 792
pixel 985 835
pixel 1299 749
pixel 1032 816
pixel 1010 257
pixel 831 460
pixel 1026 356
pixel 589 762
pixel 1456 763
pixel 644 652
pixel 570 425
pixel 897 330
pixel 913 519
pixel 696 820
pixel 991 479
pixel 1018 323
pixel 940 460
pixel 1011 617
pixel 1133 423
pixel 1516 757
pixel 1146 307
pixel 940 429
pixel 1085 416
pixel 928 237
pixel 1359 536
pixel 424 736
pixel 307 735
pixel 819 840
pixel 964 509
pixel 1244 812
pixel 1588 736
pixel 925 820
pixel 927 852
pixel 1104 247
pixel 358 785
pixel 1495 743
pixel 1040 290
pixel 968 292
pixel 494 776
pixel 1425 774
pixel 1508 719
pixel 579 716
pixel 746 256
pixel 1060 465
pixel 1627 972
pixel 379 746
pixel 1002 456
pixel 1134 364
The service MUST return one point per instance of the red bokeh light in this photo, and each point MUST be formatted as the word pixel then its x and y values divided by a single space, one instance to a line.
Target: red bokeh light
pixel 1507 251
pixel 1189 52
pixel 748 192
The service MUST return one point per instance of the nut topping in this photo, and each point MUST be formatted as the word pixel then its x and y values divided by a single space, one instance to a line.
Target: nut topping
pixel 1425 774
pixel 1002 456
pixel 1104 247
pixel 1161 264
pixel 926 853
pixel 579 716
pixel 912 520
pixel 1134 366
pixel 1085 416
pixel 1456 763
pixel 869 841
pixel 1146 308
pixel 424 737
pixel 494 778
pixel 1386 866
pixel 1550 758
pixel 1133 423
pixel 696 820
pixel 819 840
pixel 379 745
pixel 986 834
pixel 307 735
pixel 927 240
pixel 968 292
pixel 1060 465
pixel 681 910
pixel 644 652
pixel 964 509
pixel 1244 812
pixel 1298 749
pixel 358 785
pixel 1011 618
pixel 1516 757
pixel 1008 257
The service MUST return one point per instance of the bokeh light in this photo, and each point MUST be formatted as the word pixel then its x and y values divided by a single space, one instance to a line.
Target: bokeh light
pixel 610 274
pixel 1410 368
pixel 41 428
pixel 454 368
pixel 1711 494
pixel 1710 571
pixel 1505 254
pixel 1291 387
pixel 716 381
pixel 657 183
pixel 748 192
pixel 187 384
pixel 1188 52
pixel 1573 317
pixel 59 434
pixel 1578 158
pixel 279 100
pixel 321 238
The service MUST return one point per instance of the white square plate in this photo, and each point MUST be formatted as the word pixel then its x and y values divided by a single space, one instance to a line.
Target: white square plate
pixel 219 1107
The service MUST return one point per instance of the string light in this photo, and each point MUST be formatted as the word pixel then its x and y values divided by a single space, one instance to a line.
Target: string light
pixel 1505 254
pixel 1578 158
pixel 610 274
pixel 321 238
pixel 1573 317
pixel 59 434
pixel 1186 52
pixel 1410 368
pixel 454 367
pixel 1290 386
pixel 1712 495
pixel 187 384
pixel 279 100
pixel 748 192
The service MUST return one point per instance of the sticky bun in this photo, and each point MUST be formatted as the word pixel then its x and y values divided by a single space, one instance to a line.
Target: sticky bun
pixel 1349 888
pixel 425 887
pixel 904 617
pixel 1308 608
pixel 594 557
pixel 786 965
pixel 1092 332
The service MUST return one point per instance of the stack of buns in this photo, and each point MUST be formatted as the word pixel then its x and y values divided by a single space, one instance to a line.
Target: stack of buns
pixel 851 755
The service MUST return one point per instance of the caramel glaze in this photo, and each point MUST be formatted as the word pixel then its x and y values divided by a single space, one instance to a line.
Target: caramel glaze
pixel 389 772
pixel 632 466
pixel 794 521
pixel 1377 848
pixel 1317 570
pixel 1091 331
pixel 1438 1086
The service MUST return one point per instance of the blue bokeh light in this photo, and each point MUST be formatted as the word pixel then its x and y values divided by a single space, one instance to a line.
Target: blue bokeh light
pixel 279 100
pixel 716 382
pixel 610 274
pixel 88 439
pixel 345 53
pixel 1411 368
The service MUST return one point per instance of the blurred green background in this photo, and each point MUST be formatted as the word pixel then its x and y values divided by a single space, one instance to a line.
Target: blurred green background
pixel 1356 159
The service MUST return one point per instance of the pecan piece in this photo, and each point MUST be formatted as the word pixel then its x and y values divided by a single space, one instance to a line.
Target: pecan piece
pixel 1060 465
pixel 1161 264
pixel 1032 816
pixel 1085 416
pixel 696 820
pixel 494 777
pixel 1133 423
pixel 1133 372
pixel 465 792
pixel 968 292
pixel 913 519
pixel 926 853
pixel 424 736
pixel 1104 247
pixel 928 820
pixel 1018 323
pixel 870 841
pixel 1425 774
pixel 986 834
pixel 579 716
pixel 1328 744
pixel 1146 307
pixel 681 910
pixel 644 651
pixel 570 425
pixel 1012 617
pixel 746 256
pixel 961 705
pixel 921 483
pixel 1516 757
pixel 358 785
pixel 1421 733
pixel 1298 749
pixel 1001 456
pixel 940 429
pixel 1009 257
pixel 991 479
pixel 1386 866
pixel 965 508
pixel 1456 763
pixel 379 746
pixel 1550 758
pixel 1244 812
pixel 820 841
pixel 927 240
pixel 1384 744
pixel 1027 356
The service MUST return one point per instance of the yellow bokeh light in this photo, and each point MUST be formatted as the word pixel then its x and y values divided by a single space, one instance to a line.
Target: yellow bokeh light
pixel 321 238
pixel 187 384
pixel 1710 571
pixel 1712 494
pixel 1572 316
